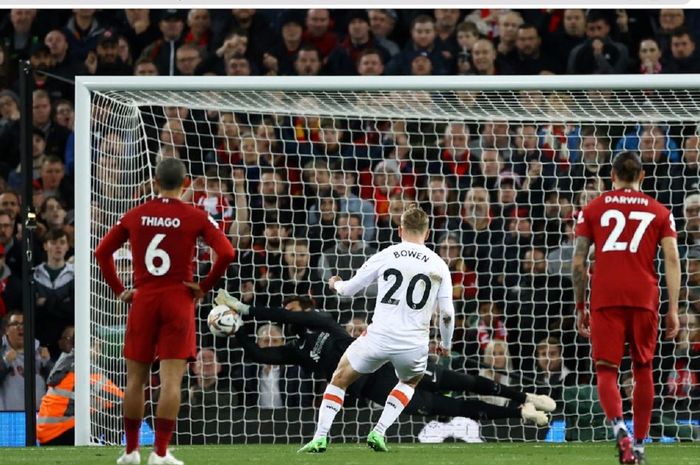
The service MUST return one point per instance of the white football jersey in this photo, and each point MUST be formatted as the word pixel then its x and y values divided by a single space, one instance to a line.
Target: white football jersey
pixel 410 279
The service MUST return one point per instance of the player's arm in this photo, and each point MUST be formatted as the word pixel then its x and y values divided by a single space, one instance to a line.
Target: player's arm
pixel 365 276
pixel 672 267
pixel 446 311
pixel 104 252
pixel 312 319
pixel 225 254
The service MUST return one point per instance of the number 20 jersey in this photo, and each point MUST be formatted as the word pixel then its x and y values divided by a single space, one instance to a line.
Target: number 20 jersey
pixel 410 279
pixel 626 228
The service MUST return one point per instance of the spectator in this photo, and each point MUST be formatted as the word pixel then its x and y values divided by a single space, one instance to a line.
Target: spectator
pixel 19 34
pixel 10 287
pixel 298 278
pixel 65 115
pixel 207 388
pixel 382 24
pixel 9 131
pixel 163 50
pixel 53 215
pixel 491 324
pixel 559 259
pixel 12 364
pixel 388 225
pixel 349 253
pixel 552 373
pixel 527 57
pixel 441 205
pixel 370 63
pixel 457 159
pixel 145 67
pixel 198 29
pixel 83 32
pixel 10 202
pixel 670 19
pixel 484 59
pixel 54 291
pixel 318 31
pixel 272 198
pixel 187 58
pixel 15 178
pixel 509 23
pixel 345 58
pixel 446 20
pixel 238 66
pixel 491 165
pixel 691 163
pixel 594 162
pixel 422 40
pixel 107 62
pixel 386 181
pixel 65 65
pixel 572 33
pixel 139 30
pixel 684 58
pixel 690 234
pixel 344 183
pixel 52 180
pixel 279 59
pixel 464 281
pixel 56 136
pixel 649 57
pixel 494 134
pixel 307 61
pixel 598 54
pixel 253 27
pixel 43 62
pixel 467 35
pixel 497 366
pixel 13 248
pixel 692 282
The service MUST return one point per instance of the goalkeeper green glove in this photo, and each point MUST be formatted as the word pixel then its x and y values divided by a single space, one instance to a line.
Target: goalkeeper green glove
pixel 224 298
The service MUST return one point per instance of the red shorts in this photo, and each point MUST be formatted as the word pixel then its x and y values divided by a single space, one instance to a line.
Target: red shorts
pixel 161 323
pixel 611 327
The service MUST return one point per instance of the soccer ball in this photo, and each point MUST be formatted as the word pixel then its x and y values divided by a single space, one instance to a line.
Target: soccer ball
pixel 223 321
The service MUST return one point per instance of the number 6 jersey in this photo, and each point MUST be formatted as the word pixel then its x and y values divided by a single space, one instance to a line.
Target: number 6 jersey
pixel 411 278
pixel 163 234
pixel 626 227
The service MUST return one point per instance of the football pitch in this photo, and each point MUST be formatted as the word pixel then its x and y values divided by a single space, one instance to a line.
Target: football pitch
pixel 350 454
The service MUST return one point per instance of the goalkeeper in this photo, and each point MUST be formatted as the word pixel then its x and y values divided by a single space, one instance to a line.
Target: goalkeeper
pixel 321 341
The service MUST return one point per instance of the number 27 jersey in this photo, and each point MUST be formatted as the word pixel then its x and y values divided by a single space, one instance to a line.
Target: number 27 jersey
pixel 626 228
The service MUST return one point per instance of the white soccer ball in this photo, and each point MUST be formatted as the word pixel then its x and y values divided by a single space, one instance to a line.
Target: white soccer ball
pixel 223 321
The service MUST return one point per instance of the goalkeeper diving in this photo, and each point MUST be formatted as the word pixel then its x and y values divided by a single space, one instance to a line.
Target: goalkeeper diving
pixel 398 334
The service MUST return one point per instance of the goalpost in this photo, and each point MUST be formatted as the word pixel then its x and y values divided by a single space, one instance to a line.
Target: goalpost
pixel 503 163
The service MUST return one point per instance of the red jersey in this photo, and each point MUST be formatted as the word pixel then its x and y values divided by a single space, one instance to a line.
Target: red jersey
pixel 626 227
pixel 163 233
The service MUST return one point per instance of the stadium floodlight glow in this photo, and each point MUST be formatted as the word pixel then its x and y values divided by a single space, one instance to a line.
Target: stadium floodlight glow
pixel 566 124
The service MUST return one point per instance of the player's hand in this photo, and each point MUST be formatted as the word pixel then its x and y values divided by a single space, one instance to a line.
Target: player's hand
pixel 583 323
pixel 224 298
pixel 194 288
pixel 333 280
pixel 127 295
pixel 672 325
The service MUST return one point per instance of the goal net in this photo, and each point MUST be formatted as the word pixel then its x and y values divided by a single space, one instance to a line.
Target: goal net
pixel 309 179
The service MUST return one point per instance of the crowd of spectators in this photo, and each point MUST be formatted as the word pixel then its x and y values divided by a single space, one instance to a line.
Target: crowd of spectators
pixel 303 197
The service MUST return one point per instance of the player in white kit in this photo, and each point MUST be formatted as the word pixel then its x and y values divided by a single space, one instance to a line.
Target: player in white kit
pixel 411 280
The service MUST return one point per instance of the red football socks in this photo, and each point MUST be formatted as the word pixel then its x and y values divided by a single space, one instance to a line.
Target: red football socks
pixel 642 400
pixel 132 427
pixel 164 431
pixel 609 392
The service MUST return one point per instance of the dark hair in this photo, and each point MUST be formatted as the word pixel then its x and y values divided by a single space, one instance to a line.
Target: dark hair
pixel 306 302
pixel 627 166
pixel 371 51
pixel 594 16
pixel 308 48
pixel 528 26
pixel 682 31
pixel 54 234
pixel 422 19
pixel 170 173
pixel 51 159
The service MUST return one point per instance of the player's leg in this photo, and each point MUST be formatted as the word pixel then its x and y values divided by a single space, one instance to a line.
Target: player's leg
pixel 171 373
pixel 642 348
pixel 608 334
pixel 409 366
pixel 176 345
pixel 139 350
pixel 332 402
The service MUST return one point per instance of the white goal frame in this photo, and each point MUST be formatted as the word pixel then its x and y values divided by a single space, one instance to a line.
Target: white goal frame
pixel 86 84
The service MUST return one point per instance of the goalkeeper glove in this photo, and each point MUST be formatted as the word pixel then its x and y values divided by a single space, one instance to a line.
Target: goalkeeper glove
pixel 224 298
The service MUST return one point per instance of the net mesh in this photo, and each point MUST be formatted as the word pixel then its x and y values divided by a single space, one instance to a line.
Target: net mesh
pixel 310 184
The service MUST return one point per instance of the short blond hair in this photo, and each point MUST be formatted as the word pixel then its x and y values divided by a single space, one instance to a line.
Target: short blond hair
pixel 414 219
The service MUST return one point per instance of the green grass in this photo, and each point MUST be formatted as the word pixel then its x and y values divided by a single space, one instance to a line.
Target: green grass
pixel 357 454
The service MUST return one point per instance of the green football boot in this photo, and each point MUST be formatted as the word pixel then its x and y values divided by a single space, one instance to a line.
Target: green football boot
pixel 315 446
pixel 377 442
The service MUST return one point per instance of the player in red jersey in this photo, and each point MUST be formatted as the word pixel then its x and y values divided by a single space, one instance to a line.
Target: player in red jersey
pixel 163 234
pixel 626 227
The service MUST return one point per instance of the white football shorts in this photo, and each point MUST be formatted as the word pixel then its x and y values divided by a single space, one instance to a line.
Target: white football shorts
pixel 367 355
